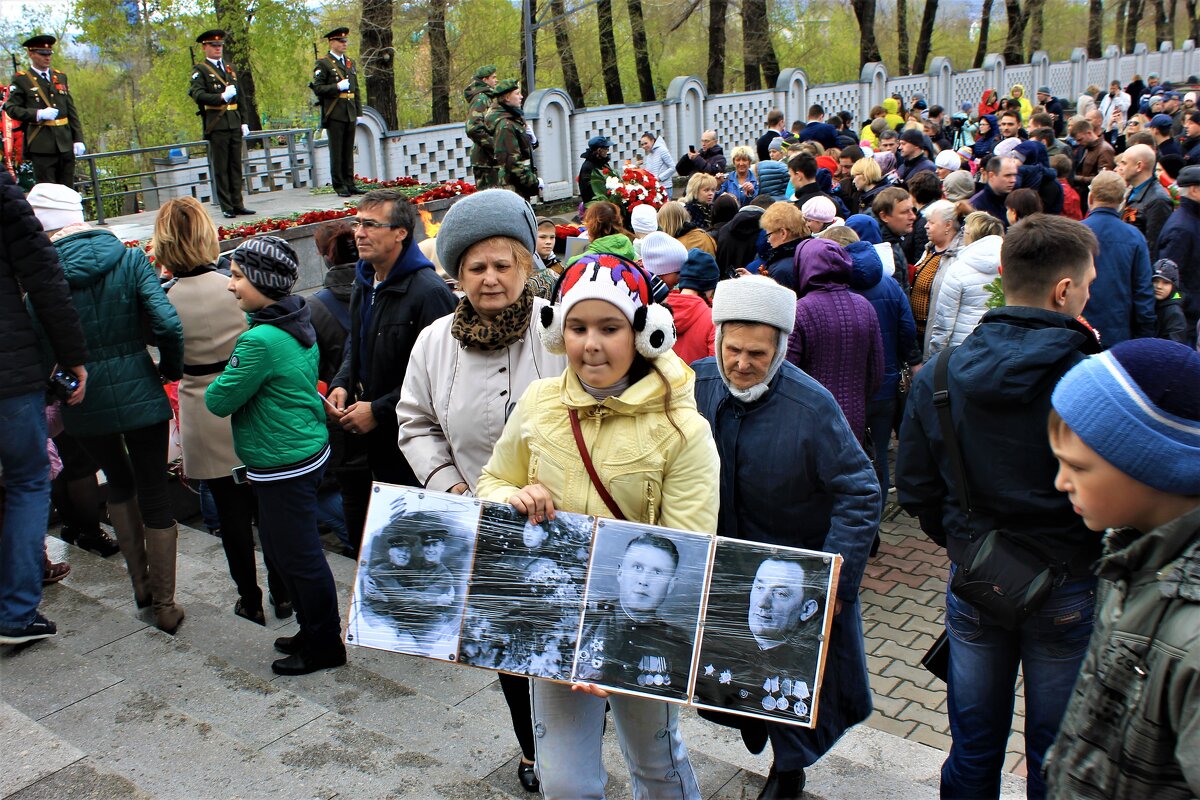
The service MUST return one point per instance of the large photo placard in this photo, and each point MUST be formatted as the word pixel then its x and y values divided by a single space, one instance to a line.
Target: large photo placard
pixel 766 625
pixel 686 617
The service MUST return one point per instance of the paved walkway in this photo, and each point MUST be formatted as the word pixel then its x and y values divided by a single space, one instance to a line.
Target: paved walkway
pixel 903 599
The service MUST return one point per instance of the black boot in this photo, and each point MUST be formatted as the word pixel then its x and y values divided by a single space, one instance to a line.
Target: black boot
pixel 783 785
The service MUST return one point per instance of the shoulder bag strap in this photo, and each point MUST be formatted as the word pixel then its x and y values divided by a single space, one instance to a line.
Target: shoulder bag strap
pixel 591 469
pixel 941 402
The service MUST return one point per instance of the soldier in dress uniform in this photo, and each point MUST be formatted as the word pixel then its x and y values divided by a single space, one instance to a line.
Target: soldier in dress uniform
pixel 38 98
pixel 769 662
pixel 215 89
pixel 512 149
pixel 626 643
pixel 479 97
pixel 335 83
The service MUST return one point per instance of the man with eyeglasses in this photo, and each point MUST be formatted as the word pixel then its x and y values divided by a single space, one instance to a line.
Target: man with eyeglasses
pixel 335 83
pixel 396 294
pixel 40 100
pixel 214 88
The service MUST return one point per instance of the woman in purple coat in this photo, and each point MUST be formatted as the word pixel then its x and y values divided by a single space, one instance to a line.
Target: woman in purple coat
pixel 837 338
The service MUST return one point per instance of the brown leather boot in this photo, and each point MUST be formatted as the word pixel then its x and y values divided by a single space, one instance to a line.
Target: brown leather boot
pixel 127 522
pixel 161 544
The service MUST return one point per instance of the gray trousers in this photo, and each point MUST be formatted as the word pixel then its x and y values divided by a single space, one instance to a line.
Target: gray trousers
pixel 569 726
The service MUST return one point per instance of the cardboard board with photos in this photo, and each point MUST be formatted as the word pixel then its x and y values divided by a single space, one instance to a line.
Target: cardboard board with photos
pixel 638 609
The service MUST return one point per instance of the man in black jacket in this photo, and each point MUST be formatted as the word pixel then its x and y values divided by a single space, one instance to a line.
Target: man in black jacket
pixel 396 294
pixel 998 385
pixel 29 266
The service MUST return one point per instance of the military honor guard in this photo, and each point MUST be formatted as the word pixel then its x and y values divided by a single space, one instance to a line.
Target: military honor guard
pixel 479 98
pixel 512 147
pixel 38 98
pixel 335 83
pixel 214 88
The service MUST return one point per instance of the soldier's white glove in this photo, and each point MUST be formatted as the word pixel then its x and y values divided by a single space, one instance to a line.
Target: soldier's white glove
pixel 360 120
pixel 245 130
pixel 344 85
pixel 532 138
pixel 541 184
pixel 47 114
pixel 229 93
pixel 79 149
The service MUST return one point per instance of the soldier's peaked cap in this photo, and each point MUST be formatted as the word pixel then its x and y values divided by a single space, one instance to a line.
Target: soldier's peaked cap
pixel 337 33
pixel 215 36
pixel 44 40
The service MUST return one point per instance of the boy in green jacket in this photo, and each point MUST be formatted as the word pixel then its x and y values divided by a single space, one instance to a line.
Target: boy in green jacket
pixel 1126 432
pixel 269 386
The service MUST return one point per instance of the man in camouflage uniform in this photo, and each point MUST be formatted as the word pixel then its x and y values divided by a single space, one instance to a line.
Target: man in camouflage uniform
pixel 479 97
pixel 335 83
pixel 39 100
pixel 214 89
pixel 511 146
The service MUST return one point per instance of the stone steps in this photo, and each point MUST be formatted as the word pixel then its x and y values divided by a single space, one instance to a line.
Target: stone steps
pixel 112 707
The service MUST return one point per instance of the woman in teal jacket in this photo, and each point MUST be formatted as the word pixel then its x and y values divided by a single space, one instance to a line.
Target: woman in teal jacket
pixel 122 422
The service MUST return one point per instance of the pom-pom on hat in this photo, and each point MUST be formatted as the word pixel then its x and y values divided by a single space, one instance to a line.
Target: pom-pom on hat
pixel 269 263
pixel 608 277
pixel 662 254
pixel 1138 406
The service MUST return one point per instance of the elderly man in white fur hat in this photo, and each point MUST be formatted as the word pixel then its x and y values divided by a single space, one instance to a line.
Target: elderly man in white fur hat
pixel 813 488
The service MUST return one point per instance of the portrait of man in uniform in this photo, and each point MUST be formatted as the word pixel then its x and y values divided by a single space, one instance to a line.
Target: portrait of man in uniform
pixel 764 632
pixel 413 571
pixel 526 591
pixel 638 635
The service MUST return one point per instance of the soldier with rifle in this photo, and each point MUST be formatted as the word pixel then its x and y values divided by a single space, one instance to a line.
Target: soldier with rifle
pixel 214 88
pixel 335 83
pixel 512 147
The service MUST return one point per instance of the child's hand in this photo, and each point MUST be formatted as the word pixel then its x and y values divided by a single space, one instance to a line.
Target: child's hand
pixel 589 688
pixel 534 501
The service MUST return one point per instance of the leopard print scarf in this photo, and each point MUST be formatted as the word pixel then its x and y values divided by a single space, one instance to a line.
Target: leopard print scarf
pixel 508 326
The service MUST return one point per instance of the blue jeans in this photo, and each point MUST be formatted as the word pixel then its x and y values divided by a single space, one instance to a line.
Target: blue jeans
pixel 880 414
pixel 330 514
pixel 26 507
pixel 568 729
pixel 1049 647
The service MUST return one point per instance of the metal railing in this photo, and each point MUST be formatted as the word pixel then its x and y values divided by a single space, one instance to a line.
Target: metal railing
pixel 128 181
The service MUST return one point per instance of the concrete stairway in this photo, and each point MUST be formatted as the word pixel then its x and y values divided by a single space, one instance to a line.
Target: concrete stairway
pixel 113 708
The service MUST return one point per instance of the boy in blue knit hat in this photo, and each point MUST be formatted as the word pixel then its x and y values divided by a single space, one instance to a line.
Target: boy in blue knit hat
pixel 1126 432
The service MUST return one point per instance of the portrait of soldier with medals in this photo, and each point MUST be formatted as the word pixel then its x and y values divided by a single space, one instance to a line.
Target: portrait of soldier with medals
pixel 639 638
pixel 764 632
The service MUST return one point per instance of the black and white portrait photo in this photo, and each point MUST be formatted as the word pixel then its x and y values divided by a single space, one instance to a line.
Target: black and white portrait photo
pixel 526 592
pixel 764 631
pixel 645 591
pixel 413 571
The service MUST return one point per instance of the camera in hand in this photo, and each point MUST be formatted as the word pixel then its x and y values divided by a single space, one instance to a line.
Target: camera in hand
pixel 62 384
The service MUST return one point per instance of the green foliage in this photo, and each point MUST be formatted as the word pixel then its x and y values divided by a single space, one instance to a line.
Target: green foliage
pixel 995 291
pixel 130 80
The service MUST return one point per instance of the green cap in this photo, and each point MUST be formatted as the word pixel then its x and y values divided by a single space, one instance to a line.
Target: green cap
pixel 484 72
pixel 504 87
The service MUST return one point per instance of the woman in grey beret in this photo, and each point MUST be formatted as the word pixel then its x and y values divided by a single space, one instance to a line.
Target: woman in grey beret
pixel 469 368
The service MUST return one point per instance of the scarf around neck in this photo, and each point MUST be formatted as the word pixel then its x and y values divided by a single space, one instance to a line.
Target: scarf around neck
pixel 509 325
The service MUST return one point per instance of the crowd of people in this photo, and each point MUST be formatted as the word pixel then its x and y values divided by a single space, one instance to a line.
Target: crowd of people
pixel 739 361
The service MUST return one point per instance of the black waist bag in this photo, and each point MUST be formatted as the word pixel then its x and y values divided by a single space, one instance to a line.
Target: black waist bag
pixel 1003 579
pixel 998 574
